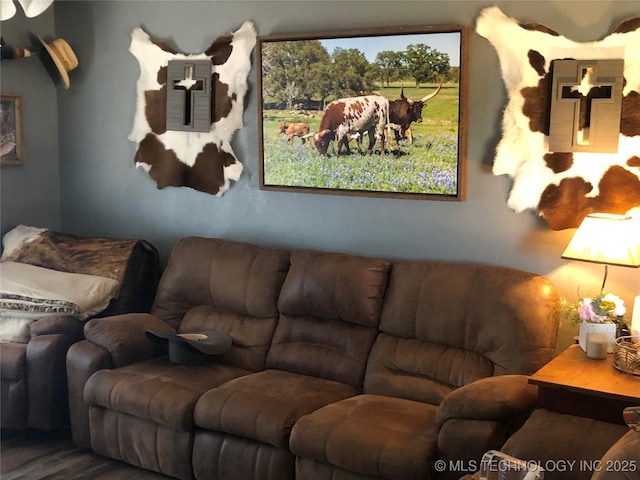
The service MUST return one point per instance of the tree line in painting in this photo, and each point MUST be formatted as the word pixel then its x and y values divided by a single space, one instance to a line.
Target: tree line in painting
pixel 304 72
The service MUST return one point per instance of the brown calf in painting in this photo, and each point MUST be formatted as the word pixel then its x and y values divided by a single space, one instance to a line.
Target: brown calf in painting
pixel 292 130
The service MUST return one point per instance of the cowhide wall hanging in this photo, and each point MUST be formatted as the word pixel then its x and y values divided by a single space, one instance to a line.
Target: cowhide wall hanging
pixel 183 155
pixel 565 186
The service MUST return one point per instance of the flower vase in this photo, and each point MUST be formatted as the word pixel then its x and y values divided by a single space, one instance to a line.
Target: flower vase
pixel 608 329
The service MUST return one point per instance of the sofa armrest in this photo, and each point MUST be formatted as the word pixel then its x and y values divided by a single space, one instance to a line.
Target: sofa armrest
pixel 83 360
pixel 47 400
pixel 124 337
pixel 481 416
pixel 498 398
pixel 57 324
pixel 110 342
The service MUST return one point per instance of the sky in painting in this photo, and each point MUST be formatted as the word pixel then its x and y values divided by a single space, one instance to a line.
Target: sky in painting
pixel 370 46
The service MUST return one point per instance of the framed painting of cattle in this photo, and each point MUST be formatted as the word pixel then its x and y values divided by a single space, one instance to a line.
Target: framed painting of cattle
pixel 12 147
pixel 375 112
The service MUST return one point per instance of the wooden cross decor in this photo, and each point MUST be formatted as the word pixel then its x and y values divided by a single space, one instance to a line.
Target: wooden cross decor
pixel 586 102
pixel 189 95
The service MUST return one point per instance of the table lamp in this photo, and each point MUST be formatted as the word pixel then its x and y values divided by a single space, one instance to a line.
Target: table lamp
pixel 611 240
pixel 32 8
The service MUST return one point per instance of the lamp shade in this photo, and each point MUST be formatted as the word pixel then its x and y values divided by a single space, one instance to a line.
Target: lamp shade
pixel 33 8
pixel 7 9
pixel 608 239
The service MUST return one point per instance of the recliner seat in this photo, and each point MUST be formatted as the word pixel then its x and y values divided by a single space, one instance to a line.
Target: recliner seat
pixel 138 406
pixel 329 311
pixel 433 340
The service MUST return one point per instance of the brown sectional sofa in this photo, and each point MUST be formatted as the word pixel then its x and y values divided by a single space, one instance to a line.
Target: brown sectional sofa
pixel 342 366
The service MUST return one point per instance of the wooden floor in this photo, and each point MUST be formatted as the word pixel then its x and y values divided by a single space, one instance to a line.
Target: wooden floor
pixel 31 455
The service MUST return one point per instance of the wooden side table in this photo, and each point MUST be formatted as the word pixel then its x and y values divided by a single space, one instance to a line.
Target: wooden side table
pixel 576 385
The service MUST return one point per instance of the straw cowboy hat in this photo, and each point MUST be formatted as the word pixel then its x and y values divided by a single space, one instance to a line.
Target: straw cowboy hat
pixel 192 348
pixel 57 57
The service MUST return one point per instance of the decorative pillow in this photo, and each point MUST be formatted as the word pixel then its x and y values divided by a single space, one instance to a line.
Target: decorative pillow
pixel 28 292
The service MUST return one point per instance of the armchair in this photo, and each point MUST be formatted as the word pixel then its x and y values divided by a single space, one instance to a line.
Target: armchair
pixel 33 382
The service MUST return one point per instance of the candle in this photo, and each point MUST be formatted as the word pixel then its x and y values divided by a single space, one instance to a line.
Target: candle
pixel 635 320
pixel 597 345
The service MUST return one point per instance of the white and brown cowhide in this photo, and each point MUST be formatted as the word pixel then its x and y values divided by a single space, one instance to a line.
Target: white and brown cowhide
pixel 563 187
pixel 204 161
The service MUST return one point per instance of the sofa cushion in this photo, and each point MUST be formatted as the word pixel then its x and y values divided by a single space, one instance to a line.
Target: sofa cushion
pixel 251 335
pixel 329 309
pixel 475 308
pixel 327 349
pixel 420 371
pixel 334 286
pixel 559 439
pixel 387 437
pixel 233 276
pixel 264 406
pixel 157 390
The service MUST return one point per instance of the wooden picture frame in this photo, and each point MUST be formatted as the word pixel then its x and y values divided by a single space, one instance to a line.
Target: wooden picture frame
pixel 12 145
pixel 299 75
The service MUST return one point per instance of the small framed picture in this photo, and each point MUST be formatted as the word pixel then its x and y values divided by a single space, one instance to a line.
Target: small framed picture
pixel 375 112
pixel 12 147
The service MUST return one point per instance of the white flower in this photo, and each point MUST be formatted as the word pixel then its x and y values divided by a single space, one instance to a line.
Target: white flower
pixel 620 309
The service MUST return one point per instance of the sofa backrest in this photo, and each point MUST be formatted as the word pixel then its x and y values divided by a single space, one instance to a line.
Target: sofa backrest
pixel 446 325
pixel 330 307
pixel 140 282
pixel 233 287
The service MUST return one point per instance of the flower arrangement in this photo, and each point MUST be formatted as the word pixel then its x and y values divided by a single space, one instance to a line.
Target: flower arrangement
pixel 605 308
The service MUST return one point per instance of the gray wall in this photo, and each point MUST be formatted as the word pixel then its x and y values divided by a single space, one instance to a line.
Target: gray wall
pixel 30 193
pixel 102 192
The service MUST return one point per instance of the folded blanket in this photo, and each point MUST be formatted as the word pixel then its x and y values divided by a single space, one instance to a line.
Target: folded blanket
pixel 28 292
pixel 104 257
pixel 24 303
pixel 28 288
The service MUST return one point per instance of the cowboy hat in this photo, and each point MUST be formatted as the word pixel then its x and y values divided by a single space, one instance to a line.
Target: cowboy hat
pixel 191 348
pixel 57 57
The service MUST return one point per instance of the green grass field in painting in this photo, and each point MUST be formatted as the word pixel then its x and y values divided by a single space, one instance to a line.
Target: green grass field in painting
pixel 428 166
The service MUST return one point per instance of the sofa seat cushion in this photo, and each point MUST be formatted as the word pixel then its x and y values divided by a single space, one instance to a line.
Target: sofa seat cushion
pixel 387 437
pixel 264 406
pixel 622 460
pixel 157 390
pixel 13 360
pixel 560 438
